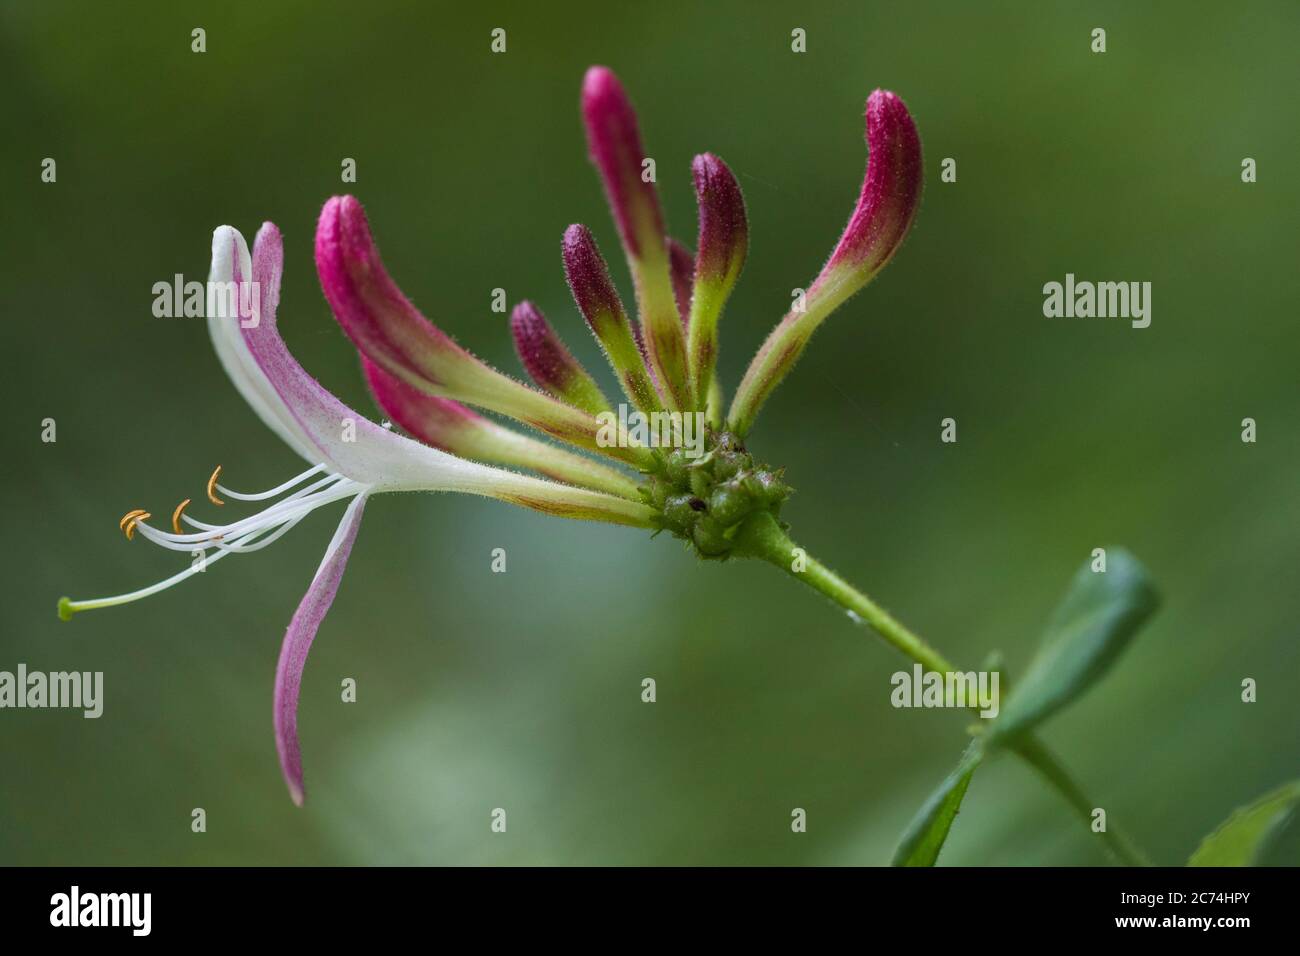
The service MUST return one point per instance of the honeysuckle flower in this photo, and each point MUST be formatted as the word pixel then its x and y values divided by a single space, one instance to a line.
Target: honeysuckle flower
pixel 350 459
pixel 664 362
pixel 722 502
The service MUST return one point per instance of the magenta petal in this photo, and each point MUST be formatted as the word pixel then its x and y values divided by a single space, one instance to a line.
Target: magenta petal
pixel 549 362
pixel 435 421
pixel 544 356
pixel 891 189
pixel 297 642
pixel 381 321
pixel 589 280
pixel 615 145
pixel 724 227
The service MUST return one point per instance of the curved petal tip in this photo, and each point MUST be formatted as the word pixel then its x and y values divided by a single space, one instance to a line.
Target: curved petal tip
pixel 297 643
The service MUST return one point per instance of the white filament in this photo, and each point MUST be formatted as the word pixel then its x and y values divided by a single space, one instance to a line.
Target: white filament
pixel 242 536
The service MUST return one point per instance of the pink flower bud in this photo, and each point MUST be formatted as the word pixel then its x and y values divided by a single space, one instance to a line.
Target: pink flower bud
pixel 615 145
pixel 550 364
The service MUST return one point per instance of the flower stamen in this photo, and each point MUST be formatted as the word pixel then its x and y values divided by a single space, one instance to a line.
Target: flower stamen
pixel 212 495
pixel 247 534
pixel 176 515
pixel 272 492
pixel 132 522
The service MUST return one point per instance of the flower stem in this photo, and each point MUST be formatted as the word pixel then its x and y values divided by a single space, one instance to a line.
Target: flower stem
pixel 1031 749
pixel 762 537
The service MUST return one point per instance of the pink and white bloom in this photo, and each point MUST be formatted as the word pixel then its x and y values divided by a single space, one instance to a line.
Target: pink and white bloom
pixel 437 390
pixel 350 459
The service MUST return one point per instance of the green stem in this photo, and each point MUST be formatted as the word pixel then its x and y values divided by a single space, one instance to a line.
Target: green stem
pixel 761 537
pixel 1031 749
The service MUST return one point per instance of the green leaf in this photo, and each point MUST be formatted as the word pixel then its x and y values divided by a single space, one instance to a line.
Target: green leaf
pixel 1245 836
pixel 1101 613
pixel 925 835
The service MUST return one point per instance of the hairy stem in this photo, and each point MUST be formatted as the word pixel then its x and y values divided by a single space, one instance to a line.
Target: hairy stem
pixel 762 537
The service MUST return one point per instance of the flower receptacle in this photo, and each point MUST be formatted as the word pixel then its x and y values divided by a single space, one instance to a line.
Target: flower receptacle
pixel 707 500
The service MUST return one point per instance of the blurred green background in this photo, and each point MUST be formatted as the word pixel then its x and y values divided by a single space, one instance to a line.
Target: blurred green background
pixel 522 690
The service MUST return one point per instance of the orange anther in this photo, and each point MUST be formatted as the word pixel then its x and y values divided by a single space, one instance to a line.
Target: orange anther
pixel 212 487
pixel 130 525
pixel 133 513
pixel 176 515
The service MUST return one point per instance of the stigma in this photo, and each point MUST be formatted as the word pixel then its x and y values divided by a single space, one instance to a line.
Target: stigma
pixel 285 505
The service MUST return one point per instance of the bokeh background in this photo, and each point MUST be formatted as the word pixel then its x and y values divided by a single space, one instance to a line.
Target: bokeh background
pixel 522 690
